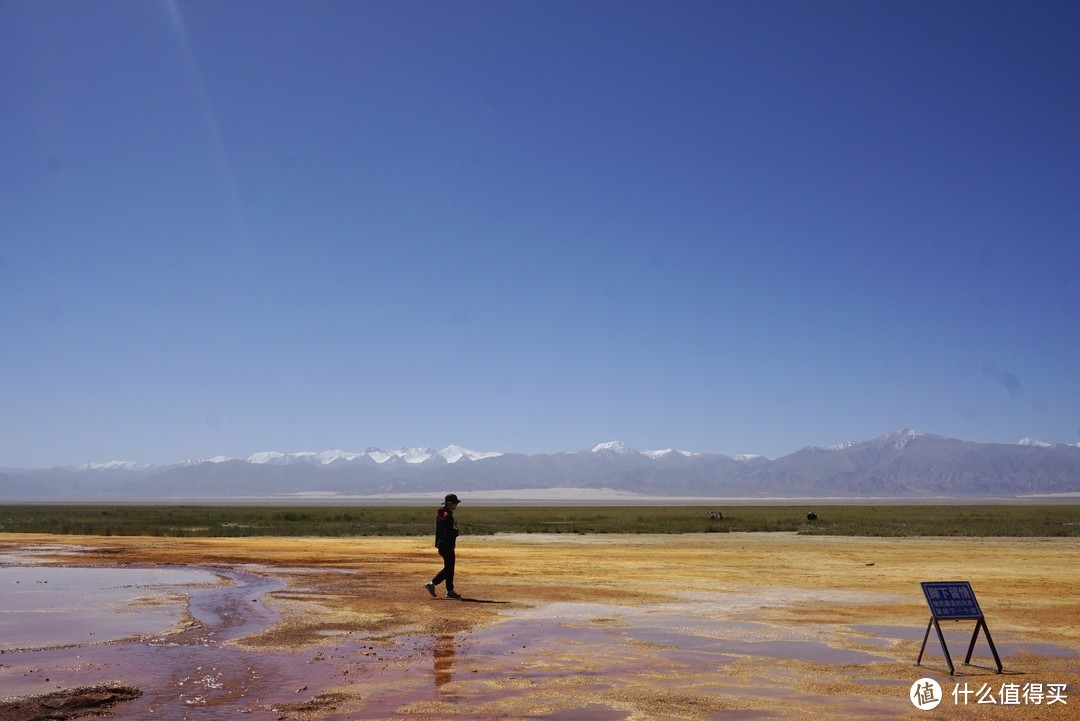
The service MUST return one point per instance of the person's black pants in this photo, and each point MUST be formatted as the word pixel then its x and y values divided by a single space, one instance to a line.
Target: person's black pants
pixel 447 572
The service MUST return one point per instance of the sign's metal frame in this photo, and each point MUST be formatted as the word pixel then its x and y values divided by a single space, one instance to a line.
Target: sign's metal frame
pixel 954 601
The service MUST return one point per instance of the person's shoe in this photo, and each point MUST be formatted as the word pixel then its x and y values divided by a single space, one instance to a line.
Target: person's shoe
pixel 430 589
pixel 453 594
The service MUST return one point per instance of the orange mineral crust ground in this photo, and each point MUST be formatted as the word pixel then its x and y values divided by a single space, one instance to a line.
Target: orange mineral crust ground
pixel 559 627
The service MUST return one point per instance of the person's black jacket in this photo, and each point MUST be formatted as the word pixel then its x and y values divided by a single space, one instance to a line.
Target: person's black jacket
pixel 446 530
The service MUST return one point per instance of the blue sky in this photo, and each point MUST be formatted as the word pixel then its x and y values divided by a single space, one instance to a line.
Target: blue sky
pixel 736 227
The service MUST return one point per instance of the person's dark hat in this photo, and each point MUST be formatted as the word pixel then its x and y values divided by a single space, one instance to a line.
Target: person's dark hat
pixel 451 498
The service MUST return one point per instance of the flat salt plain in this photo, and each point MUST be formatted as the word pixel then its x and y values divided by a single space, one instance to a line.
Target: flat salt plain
pixel 588 627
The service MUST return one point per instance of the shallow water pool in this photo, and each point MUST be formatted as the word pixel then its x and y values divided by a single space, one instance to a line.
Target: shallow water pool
pixel 46 607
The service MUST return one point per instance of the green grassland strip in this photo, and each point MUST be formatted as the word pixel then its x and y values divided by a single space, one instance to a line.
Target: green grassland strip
pixel 1041 520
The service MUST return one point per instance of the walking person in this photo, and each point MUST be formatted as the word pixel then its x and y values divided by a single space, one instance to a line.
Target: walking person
pixel 446 533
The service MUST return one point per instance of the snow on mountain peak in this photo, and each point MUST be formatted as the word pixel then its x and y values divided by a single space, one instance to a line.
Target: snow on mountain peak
pixel 112 466
pixel 416 455
pixel 1029 441
pixel 378 455
pixel 408 455
pixel 670 452
pixel 901 437
pixel 327 457
pixel 451 454
pixel 901 433
pixel 274 458
pixel 454 453
pixel 617 447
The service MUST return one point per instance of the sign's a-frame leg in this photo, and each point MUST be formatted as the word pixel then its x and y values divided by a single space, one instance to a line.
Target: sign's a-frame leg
pixel 941 638
pixel 979 625
pixel 971 647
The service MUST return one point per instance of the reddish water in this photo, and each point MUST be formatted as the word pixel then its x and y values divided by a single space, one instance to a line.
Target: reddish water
pixel 197 674
pixel 42 607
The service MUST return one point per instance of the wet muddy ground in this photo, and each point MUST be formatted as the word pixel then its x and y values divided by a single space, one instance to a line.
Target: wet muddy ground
pixel 588 628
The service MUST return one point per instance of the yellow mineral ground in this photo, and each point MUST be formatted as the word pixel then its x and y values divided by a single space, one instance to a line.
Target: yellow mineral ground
pixel 705 626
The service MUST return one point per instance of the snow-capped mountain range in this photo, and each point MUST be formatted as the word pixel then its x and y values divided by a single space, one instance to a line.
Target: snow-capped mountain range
pixel 455 453
pixel 450 454
pixel 903 463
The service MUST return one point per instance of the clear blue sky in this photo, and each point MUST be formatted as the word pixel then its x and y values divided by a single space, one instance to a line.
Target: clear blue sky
pixel 736 227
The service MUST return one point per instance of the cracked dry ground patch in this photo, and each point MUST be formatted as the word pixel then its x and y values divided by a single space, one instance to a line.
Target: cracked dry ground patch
pixel 740 626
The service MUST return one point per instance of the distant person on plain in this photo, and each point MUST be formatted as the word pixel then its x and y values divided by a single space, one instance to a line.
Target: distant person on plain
pixel 446 533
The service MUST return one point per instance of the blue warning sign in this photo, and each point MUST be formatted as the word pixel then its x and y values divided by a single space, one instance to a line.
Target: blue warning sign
pixel 952 600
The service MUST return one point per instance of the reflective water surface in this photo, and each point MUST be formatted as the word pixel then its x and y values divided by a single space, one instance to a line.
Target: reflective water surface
pixel 169 631
pixel 42 607
pixel 163 630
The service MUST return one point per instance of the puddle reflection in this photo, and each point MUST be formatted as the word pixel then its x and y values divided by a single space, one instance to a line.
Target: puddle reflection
pixel 444 662
pixel 594 654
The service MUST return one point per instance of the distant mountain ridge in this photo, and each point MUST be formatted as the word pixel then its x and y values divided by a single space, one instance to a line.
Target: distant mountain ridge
pixel 899 464
pixel 450 454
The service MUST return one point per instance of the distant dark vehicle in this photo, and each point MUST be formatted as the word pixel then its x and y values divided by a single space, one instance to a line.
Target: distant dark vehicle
pixel 811 516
